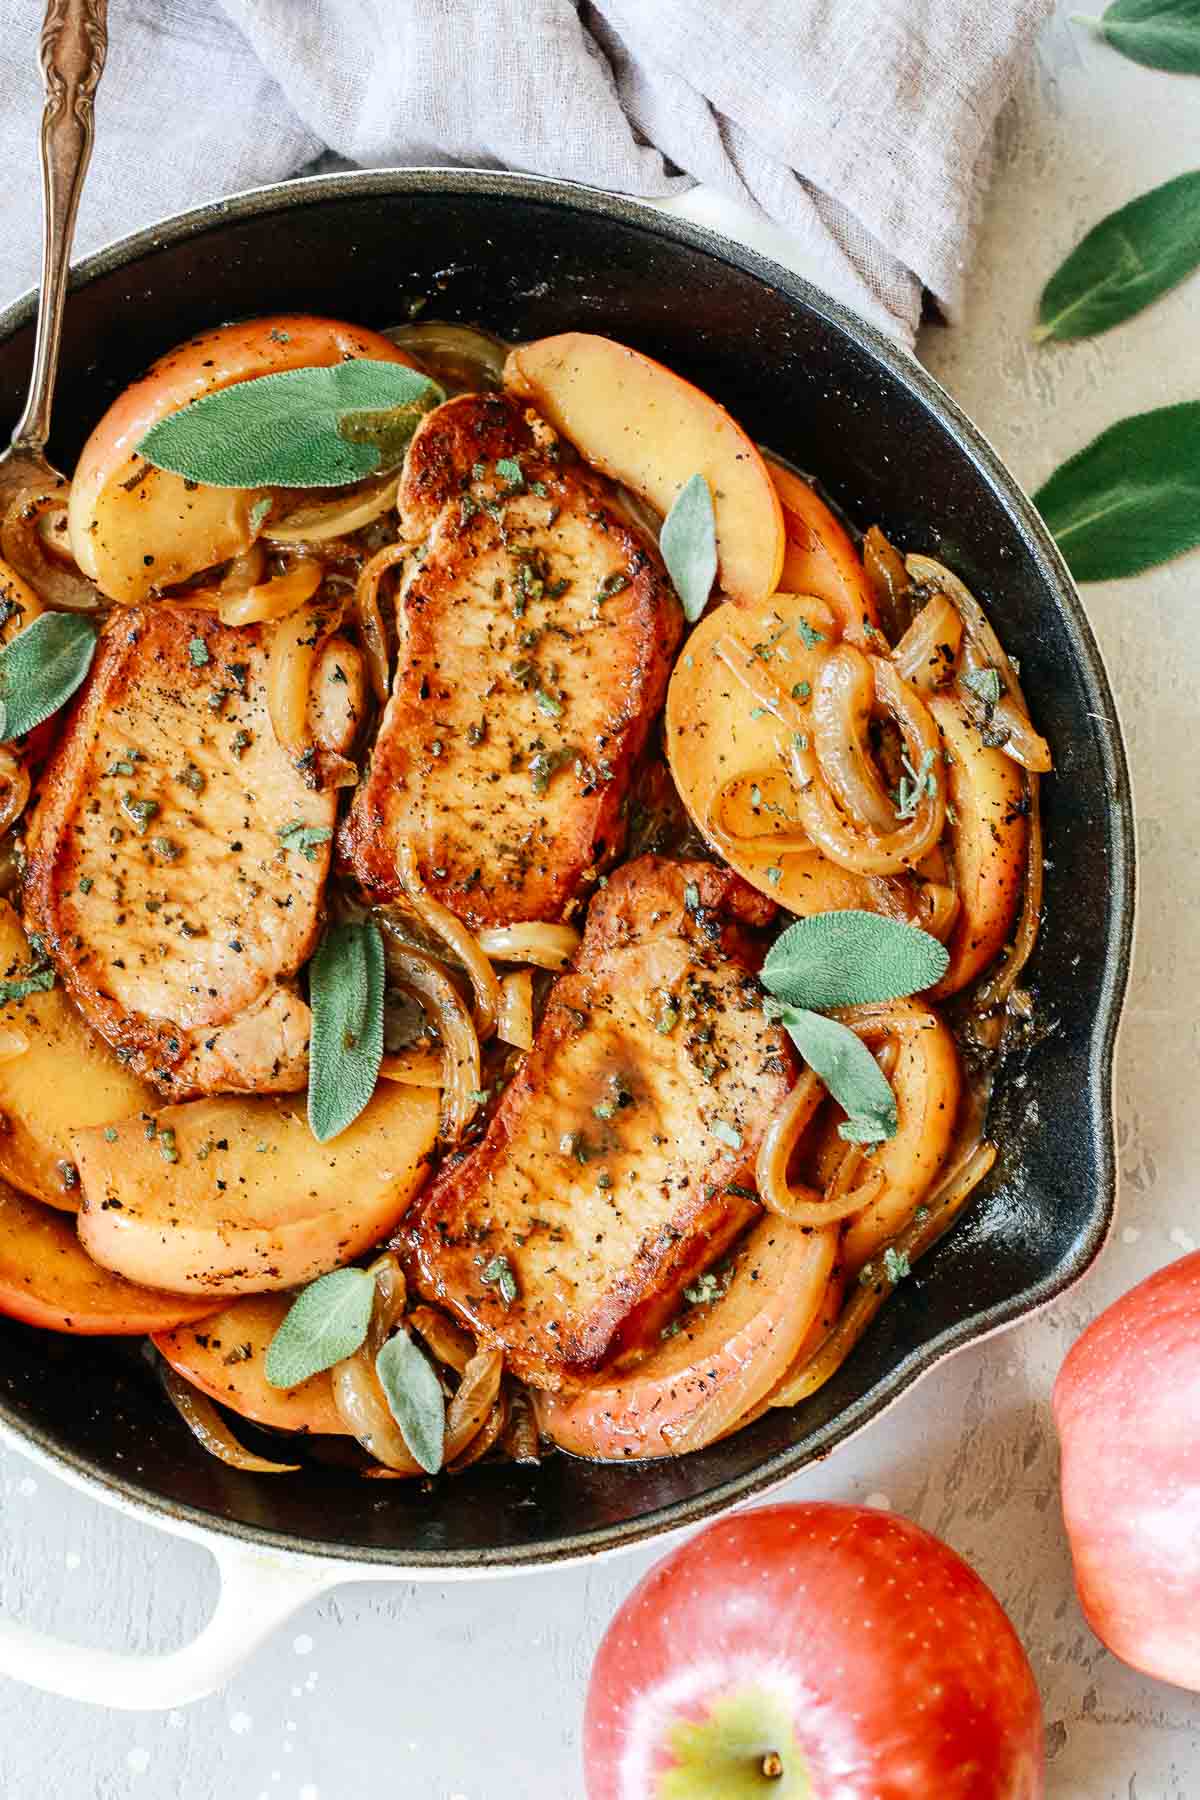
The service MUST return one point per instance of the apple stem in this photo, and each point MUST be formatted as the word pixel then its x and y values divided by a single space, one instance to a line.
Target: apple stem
pixel 772 1765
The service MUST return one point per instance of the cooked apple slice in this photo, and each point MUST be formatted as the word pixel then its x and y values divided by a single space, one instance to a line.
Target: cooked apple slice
pixel 821 559
pixel 720 1360
pixel 645 426
pixel 988 830
pixel 64 1079
pixel 727 756
pixel 225 1357
pixel 234 1195
pixel 135 529
pixel 48 1279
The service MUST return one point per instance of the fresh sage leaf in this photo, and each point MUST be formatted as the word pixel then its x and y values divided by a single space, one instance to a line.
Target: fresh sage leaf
pixel 415 1399
pixel 1130 498
pixel 1161 34
pixel 1125 262
pixel 323 1325
pixel 688 541
pixel 345 981
pixel 850 959
pixel 849 1071
pixel 42 667
pixel 301 428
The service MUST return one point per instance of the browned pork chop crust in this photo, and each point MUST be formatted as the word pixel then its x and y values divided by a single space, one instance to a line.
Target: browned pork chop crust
pixel 536 631
pixel 165 877
pixel 619 1161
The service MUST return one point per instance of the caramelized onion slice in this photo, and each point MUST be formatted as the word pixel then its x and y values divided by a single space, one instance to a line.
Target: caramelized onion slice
pixel 425 978
pixel 334 518
pixel 543 946
pixel 278 598
pixel 515 1022
pixel 296 646
pixel 465 945
pixel 14 786
pixel 56 583
pixel 476 1395
pixel 928 652
pixel 462 358
pixel 370 618
pixel 209 1429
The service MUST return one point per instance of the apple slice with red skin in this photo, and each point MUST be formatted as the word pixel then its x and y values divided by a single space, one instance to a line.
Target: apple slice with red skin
pixel 134 528
pixel 1126 1404
pixel 47 1278
pixel 821 558
pixel 720 1360
pixel 225 1357
pixel 812 1652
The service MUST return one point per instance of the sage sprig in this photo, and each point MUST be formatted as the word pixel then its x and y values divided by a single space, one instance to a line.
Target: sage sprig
pixel 1125 262
pixel 688 541
pixel 415 1400
pixel 325 1323
pixel 838 959
pixel 1161 34
pixel 301 428
pixel 1131 498
pixel 41 668
pixel 346 983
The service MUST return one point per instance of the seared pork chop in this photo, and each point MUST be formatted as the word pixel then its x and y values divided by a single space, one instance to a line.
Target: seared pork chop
pixel 536 631
pixel 177 856
pixel 619 1161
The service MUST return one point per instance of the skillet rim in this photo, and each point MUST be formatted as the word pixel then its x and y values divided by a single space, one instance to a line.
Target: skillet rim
pixel 1055 586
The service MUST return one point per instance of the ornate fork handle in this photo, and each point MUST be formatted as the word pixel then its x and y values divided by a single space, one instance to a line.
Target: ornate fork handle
pixel 74 43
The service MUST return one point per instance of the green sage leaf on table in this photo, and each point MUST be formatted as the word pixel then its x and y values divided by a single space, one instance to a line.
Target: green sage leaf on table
pixel 851 959
pixel 1126 261
pixel 301 428
pixel 325 1323
pixel 688 541
pixel 346 982
pixel 415 1399
pixel 849 1071
pixel 1162 34
pixel 42 667
pixel 1131 498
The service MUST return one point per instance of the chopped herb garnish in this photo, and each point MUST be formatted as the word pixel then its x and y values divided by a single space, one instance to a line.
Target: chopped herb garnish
pixel 802 691
pixel 304 838
pixel 691 896
pixel 110 1134
pixel 612 584
pixel 896 1265
pixel 985 684
pixel 166 848
pixel 140 812
pixel 198 652
pixel 712 1285
pixel 728 1134
pixel 192 778
pixel 166 1145
pixel 509 471
pixel 550 704
pixel 241 743
pixel 498 1273
pixel 914 784
pixel 85 884
pixel 775 875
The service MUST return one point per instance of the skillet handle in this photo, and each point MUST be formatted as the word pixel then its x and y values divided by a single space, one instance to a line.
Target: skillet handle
pixel 258 1592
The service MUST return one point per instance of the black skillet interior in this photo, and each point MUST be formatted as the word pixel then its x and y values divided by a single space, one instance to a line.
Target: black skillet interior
pixel 528 258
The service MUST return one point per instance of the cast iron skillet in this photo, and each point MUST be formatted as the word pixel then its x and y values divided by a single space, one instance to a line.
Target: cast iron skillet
pixel 528 257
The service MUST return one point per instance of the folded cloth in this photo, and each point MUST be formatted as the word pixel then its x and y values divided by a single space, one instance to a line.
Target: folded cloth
pixel 848 138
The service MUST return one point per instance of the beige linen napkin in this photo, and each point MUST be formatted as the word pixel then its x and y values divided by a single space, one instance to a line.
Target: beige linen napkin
pixel 848 138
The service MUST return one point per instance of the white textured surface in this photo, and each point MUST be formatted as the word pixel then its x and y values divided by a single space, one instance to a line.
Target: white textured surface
pixel 474 1693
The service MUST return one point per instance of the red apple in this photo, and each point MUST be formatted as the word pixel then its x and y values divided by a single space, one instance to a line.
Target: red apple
pixel 1127 1407
pixel 812 1652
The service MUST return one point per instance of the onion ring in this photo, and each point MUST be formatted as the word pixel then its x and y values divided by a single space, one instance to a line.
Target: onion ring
pixel 426 979
pixel 465 945
pixel 544 946
pixel 209 1429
